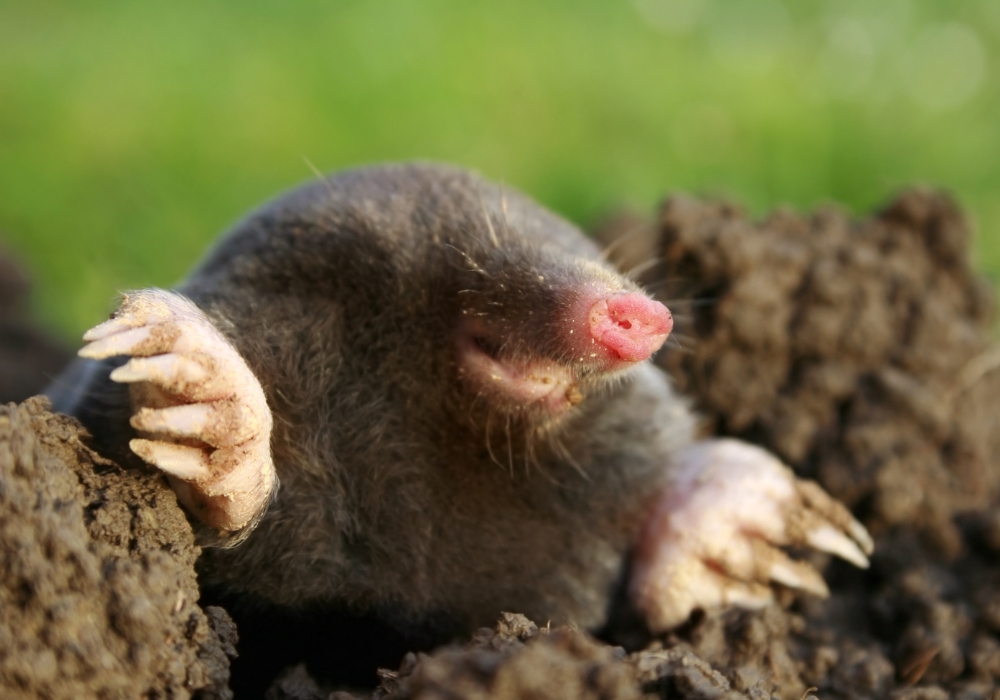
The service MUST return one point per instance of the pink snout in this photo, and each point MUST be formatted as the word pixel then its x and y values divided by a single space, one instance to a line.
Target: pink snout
pixel 630 326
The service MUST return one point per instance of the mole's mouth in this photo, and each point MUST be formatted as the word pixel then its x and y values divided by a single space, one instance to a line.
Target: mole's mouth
pixel 598 334
pixel 526 382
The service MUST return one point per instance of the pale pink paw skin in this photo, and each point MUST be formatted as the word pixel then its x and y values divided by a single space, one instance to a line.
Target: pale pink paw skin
pixel 201 413
pixel 714 536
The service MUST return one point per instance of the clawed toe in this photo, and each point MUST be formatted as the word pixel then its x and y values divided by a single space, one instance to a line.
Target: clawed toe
pixel 220 424
pixel 131 341
pixel 174 373
pixel 827 538
pixel 186 463
pixel 797 574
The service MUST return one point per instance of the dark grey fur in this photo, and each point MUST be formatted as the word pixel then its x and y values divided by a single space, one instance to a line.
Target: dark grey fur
pixel 400 489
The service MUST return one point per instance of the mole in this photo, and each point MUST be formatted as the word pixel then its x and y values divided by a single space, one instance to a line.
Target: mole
pixel 404 388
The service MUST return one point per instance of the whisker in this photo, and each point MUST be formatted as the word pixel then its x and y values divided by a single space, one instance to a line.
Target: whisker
pixel 564 454
pixel 696 303
pixel 529 448
pixel 682 343
pixel 510 449
pixel 503 209
pixel 678 280
pixel 489 223
pixel 642 267
pixel 489 444
pixel 475 266
pixel 320 176
pixel 622 238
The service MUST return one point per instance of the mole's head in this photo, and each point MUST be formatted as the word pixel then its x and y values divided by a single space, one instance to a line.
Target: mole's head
pixel 541 328
pixel 538 320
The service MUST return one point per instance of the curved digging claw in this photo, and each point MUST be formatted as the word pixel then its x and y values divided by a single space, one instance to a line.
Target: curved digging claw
pixel 715 535
pixel 200 411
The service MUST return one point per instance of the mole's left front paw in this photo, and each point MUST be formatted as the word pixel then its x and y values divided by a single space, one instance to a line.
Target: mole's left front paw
pixel 714 535
pixel 200 411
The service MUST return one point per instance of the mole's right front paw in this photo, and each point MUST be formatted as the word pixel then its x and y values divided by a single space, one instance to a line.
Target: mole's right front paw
pixel 200 410
pixel 716 534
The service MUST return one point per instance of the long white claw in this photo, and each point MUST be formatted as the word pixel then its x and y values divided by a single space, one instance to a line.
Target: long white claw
pixel 119 324
pixel 118 344
pixel 163 370
pixel 189 420
pixel 829 539
pixel 798 575
pixel 860 535
pixel 187 463
pixel 748 596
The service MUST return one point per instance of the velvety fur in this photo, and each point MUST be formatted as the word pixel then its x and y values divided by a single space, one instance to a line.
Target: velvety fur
pixel 401 489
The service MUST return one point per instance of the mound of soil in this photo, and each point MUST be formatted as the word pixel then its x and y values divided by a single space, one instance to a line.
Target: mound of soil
pixel 859 351
pixel 97 588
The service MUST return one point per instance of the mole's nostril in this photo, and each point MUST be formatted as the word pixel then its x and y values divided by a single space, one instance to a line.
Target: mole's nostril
pixel 631 326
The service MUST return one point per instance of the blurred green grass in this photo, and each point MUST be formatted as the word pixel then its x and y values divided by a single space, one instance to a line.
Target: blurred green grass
pixel 132 133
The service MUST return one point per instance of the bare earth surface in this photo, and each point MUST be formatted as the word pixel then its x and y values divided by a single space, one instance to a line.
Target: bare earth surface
pixel 859 351
pixel 98 589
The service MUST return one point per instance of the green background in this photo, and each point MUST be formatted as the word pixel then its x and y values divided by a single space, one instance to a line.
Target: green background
pixel 131 133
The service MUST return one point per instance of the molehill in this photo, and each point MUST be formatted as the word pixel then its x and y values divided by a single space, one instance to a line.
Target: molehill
pixel 859 351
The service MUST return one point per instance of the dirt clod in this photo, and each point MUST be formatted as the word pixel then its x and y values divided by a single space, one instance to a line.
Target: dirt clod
pixel 97 590
pixel 519 660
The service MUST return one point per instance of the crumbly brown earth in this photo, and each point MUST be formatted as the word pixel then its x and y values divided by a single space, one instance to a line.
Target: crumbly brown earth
pixel 97 588
pixel 519 660
pixel 859 351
